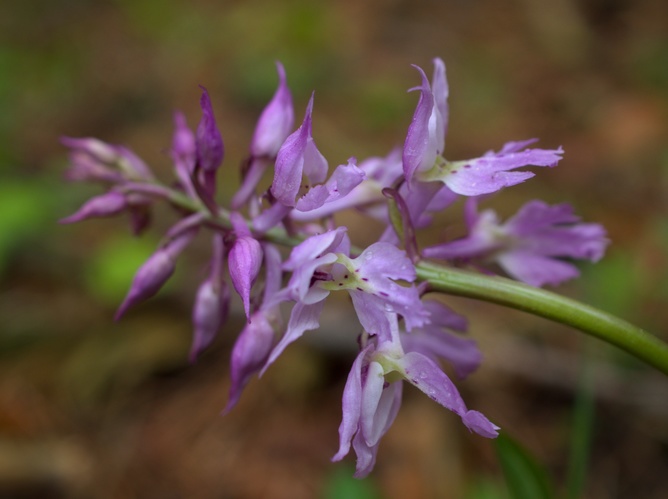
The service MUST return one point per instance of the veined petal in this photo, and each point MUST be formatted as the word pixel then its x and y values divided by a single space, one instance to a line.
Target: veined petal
pixel 491 172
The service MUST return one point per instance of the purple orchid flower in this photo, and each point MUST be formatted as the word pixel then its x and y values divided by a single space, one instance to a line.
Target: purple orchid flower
pixel 528 244
pixel 273 127
pixel 370 402
pixel 298 156
pixel 321 265
pixel 425 140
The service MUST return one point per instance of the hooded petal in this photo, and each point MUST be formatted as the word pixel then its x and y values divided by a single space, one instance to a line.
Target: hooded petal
pixel 276 120
pixel 421 146
pixel 297 156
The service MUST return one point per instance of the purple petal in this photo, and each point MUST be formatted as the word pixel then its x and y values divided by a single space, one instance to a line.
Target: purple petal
pixel 541 228
pixel 344 179
pixel 249 354
pixel 244 262
pixel 209 142
pixel 210 311
pixel 105 205
pixel 439 85
pixel 490 172
pixel 297 156
pixel 423 372
pixel 276 120
pixel 352 404
pixel 380 404
pixel 421 144
pixel 155 271
pixel 303 318
pixel 428 377
pixel 535 269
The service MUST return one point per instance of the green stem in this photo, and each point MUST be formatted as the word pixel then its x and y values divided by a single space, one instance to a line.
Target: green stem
pixel 546 304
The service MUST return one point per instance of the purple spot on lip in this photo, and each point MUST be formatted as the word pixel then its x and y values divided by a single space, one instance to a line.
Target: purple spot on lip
pixel 467 166
pixel 365 278
pixel 359 289
pixel 383 293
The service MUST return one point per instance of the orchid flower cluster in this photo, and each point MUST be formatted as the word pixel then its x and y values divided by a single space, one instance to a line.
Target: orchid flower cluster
pixel 406 333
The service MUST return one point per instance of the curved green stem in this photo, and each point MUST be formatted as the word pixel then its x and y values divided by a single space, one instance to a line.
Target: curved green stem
pixel 550 305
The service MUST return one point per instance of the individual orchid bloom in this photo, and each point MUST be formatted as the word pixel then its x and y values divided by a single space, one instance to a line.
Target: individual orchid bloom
pixel 423 149
pixel 271 130
pixel 92 159
pixel 155 271
pixel 212 302
pixel 244 261
pixel 372 396
pixel 425 139
pixel 298 156
pixel 437 341
pixel 104 205
pixel 529 244
pixel 275 122
pixel 255 342
pixel 321 265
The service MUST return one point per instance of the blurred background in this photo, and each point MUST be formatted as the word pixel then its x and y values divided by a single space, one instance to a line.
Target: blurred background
pixel 90 408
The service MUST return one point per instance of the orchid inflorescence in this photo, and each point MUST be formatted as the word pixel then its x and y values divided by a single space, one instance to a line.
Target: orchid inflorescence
pixel 405 331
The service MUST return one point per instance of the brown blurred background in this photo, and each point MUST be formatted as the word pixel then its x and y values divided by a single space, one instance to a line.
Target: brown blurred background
pixel 90 408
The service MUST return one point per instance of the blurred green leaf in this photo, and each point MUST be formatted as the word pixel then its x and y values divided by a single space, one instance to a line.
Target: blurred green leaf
pixel 24 210
pixel 525 476
pixel 583 421
pixel 486 488
pixel 342 485
pixel 111 269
